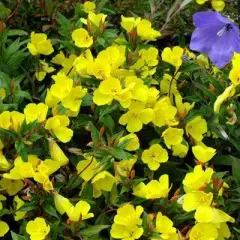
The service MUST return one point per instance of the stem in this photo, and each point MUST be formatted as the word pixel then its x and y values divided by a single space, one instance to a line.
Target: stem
pixel 74 180
pixel 15 11
pixel 170 86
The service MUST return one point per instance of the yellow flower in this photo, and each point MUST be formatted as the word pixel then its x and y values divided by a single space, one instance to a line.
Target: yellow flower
pixel 203 153
pixel 164 113
pixel 127 223
pixel 100 68
pixel 37 229
pixel 62 204
pixel 5 120
pixel 180 150
pixel 74 99
pixel 228 93
pixel 39 44
pixel 167 82
pixel 172 136
pixel 42 70
pixel 154 156
pixel 154 189
pixel 12 187
pixel 128 216
pixel 194 200
pixel 103 181
pixel 124 168
pixel 4 164
pixel 97 20
pixel 208 214
pixel 50 100
pixel 66 63
pixel 135 118
pixel 23 169
pixel 2 93
pixel 236 60
pixel 183 108
pixel 234 76
pixel 218 5
pixel 4 228
pixel 123 232
pixel 164 226
pixel 58 125
pixel 80 211
pixel 57 154
pixel 88 168
pixel 108 90
pixel 204 231
pixel 2 198
pixel 129 23
pixel 62 86
pixel 173 56
pixel 223 231
pixel 197 179
pixel 201 1
pixel 75 213
pixel 34 112
pixel 202 61
pixel 146 32
pixel 89 6
pixel 17 119
pixel 19 214
pixel 196 128
pixel 133 142
pixel 82 38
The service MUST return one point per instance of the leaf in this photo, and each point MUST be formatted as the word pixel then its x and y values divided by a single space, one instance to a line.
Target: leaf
pixel 226 160
pixel 94 133
pixel 87 101
pixel 27 207
pixel 51 210
pixel 23 94
pixel 16 236
pixel 16 32
pixel 114 194
pixel 119 153
pixel 4 212
pixel 65 26
pixel 108 122
pixel 93 230
pixel 236 170
pixel 184 3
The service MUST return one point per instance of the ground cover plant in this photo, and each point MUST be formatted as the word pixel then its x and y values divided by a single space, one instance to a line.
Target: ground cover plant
pixel 119 120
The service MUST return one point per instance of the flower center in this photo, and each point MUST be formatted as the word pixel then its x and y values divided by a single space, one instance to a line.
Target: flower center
pixel 224 30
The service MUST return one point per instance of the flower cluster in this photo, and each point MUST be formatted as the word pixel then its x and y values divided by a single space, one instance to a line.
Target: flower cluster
pixel 119 138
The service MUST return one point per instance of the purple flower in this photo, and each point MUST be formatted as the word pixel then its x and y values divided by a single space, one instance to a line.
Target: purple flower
pixel 215 35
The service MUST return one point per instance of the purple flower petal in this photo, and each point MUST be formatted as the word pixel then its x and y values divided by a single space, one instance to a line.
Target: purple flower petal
pixel 222 50
pixel 206 19
pixel 215 35
pixel 203 38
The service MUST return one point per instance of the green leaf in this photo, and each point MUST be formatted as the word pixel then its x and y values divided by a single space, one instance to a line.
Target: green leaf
pixel 87 101
pixel 114 194
pixel 94 133
pixel 226 160
pixel 87 191
pixel 23 94
pixel 236 170
pixel 93 230
pixel 16 236
pixel 27 207
pixel 16 32
pixel 65 26
pixel 48 208
pixel 4 212
pixel 119 153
